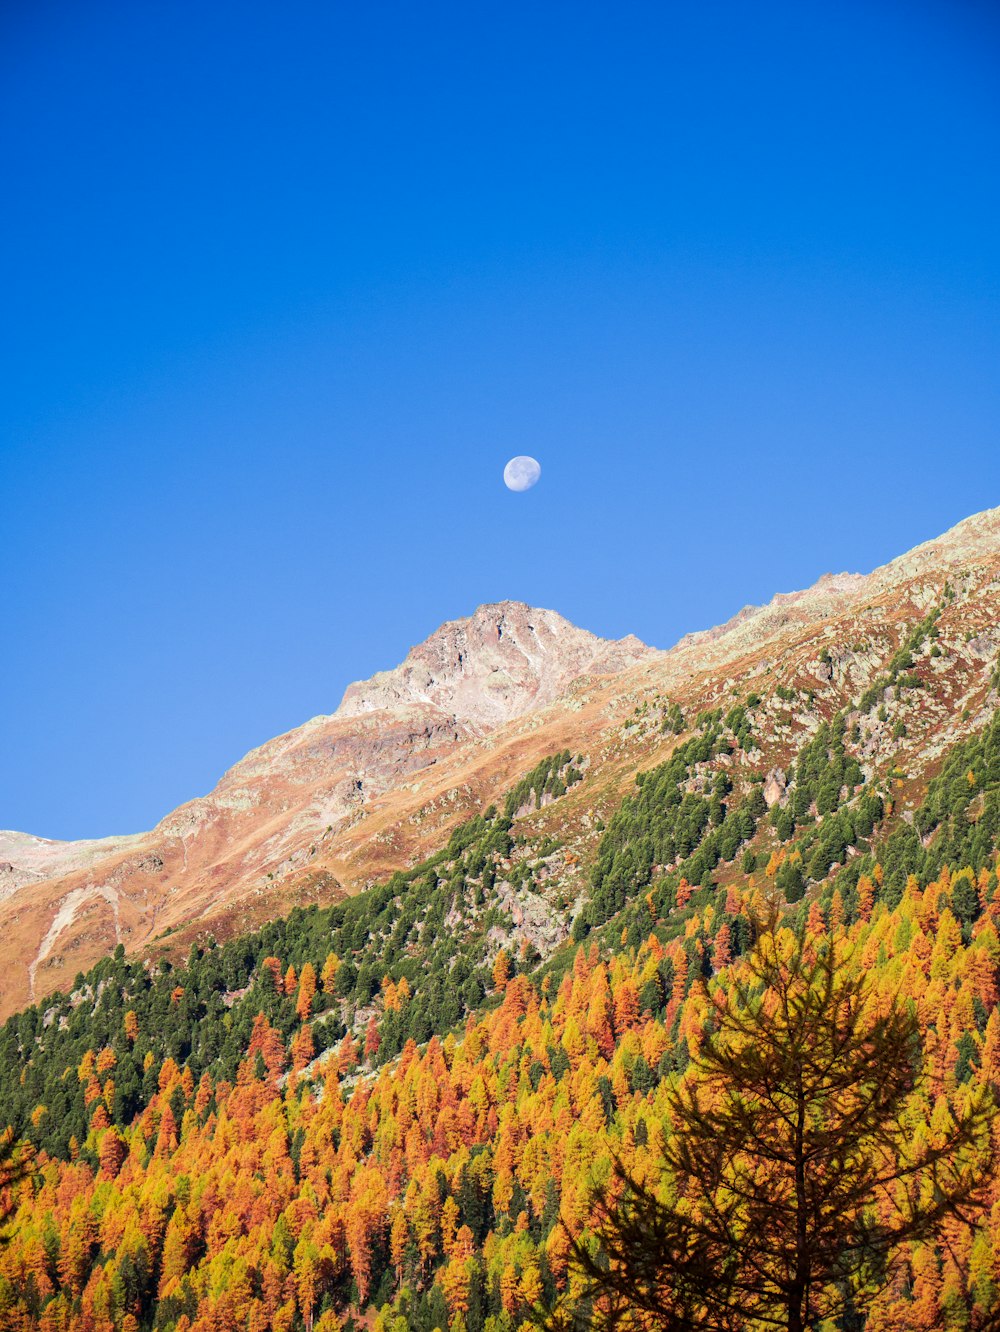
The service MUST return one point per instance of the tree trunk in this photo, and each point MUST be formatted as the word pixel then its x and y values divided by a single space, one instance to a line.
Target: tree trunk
pixel 799 1286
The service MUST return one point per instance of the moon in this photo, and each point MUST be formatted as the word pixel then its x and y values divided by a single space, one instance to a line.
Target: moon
pixel 521 473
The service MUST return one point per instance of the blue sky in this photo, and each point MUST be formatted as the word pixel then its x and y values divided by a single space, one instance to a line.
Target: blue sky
pixel 284 288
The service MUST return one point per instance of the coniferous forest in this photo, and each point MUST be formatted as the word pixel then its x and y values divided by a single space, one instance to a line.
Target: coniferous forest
pixel 381 1110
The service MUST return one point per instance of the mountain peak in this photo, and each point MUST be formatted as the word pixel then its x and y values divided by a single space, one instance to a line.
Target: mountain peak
pixel 505 659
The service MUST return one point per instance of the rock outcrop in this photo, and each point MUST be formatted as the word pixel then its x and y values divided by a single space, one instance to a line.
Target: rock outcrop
pixel 502 662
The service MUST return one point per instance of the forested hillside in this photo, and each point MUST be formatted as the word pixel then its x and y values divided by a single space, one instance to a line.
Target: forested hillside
pixel 402 1110
pixel 199 1167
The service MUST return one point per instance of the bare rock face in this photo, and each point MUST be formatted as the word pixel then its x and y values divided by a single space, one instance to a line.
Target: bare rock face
pixel 25 859
pixel 970 543
pixel 774 788
pixel 503 661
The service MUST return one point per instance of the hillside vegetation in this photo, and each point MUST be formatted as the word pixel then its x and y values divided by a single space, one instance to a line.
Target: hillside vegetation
pixel 403 1108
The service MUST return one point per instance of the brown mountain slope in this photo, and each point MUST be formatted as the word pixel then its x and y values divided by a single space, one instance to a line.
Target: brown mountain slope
pixel 348 798
pixel 282 807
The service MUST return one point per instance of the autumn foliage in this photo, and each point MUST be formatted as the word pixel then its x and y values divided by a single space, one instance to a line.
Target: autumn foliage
pixel 436 1188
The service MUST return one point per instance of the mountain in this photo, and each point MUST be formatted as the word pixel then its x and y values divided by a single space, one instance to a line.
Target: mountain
pixel 347 798
pixel 505 660
pixel 239 853
pixel 374 1108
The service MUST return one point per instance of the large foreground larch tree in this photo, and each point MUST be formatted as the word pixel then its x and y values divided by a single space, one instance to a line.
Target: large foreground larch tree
pixel 800 1162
